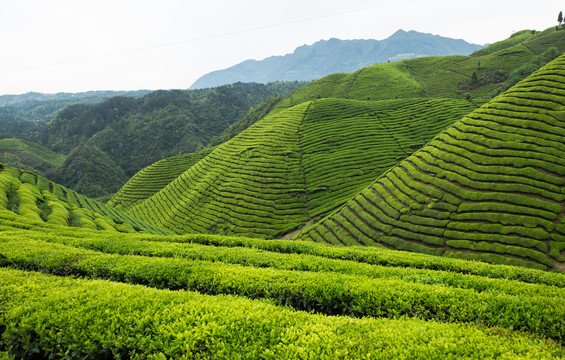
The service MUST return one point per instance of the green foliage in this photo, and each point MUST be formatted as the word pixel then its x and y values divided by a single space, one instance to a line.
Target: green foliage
pixel 501 166
pixel 27 198
pixel 158 324
pixel 91 172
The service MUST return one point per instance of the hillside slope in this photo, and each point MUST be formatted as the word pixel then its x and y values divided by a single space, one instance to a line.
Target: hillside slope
pixel 148 181
pixel 30 201
pixel 436 77
pixel 29 156
pixel 310 62
pixel 491 187
pixel 289 168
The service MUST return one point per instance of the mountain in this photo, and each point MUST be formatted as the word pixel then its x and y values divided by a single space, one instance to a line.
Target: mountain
pixel 310 62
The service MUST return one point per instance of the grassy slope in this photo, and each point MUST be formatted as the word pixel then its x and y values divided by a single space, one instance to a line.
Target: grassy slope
pixel 436 77
pixel 289 168
pixel 153 178
pixel 491 187
pixel 29 155
pixel 404 305
pixel 33 201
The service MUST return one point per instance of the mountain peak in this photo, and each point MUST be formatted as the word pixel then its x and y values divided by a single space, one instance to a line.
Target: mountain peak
pixel 324 57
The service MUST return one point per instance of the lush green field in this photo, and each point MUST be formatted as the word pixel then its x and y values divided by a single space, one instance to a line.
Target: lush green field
pixel 31 201
pixel 273 299
pixel 469 190
pixel 490 187
pixel 289 168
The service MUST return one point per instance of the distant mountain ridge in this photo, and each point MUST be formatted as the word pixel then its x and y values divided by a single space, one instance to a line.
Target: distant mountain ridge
pixel 310 62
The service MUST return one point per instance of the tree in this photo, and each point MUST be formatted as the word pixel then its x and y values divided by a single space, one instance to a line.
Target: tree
pixel 560 17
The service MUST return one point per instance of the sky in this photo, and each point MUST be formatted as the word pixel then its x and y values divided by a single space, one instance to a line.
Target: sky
pixel 82 45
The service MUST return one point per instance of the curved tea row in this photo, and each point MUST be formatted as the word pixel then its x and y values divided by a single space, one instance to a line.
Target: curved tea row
pixel 491 187
pixel 31 200
pixel 296 166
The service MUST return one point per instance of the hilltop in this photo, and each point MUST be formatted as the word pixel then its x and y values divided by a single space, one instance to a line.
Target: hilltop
pixel 310 62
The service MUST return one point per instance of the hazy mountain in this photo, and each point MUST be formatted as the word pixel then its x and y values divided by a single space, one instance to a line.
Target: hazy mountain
pixel 310 62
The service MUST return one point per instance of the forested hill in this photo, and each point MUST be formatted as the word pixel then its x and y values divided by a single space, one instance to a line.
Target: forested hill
pixel 129 133
pixel 310 62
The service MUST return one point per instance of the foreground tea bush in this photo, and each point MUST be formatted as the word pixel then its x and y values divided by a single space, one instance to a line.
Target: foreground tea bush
pixel 369 255
pixel 329 293
pixel 77 319
pixel 288 261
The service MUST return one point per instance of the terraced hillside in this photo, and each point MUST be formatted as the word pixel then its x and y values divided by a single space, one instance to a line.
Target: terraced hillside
pixel 491 187
pixel 289 168
pixel 29 201
pixel 92 294
pixel 153 178
pixel 435 77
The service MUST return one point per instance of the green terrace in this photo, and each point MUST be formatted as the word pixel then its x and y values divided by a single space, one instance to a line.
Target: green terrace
pixel 153 178
pixel 293 167
pixel 31 200
pixel 491 187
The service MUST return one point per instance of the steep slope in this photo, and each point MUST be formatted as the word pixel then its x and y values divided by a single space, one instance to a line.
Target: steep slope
pixel 436 77
pixel 153 178
pixel 491 187
pixel 289 168
pixel 30 201
pixel 310 62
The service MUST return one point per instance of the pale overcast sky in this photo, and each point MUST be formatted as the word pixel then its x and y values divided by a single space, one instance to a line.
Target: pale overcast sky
pixel 77 45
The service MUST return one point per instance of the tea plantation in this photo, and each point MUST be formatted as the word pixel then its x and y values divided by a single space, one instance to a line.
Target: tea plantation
pixel 491 187
pixel 30 201
pixel 96 294
pixel 288 169
pixel 400 221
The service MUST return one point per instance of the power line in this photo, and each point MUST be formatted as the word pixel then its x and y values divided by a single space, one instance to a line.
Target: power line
pixel 208 37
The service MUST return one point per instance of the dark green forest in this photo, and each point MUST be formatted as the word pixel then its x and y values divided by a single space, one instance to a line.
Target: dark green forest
pixel 131 132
